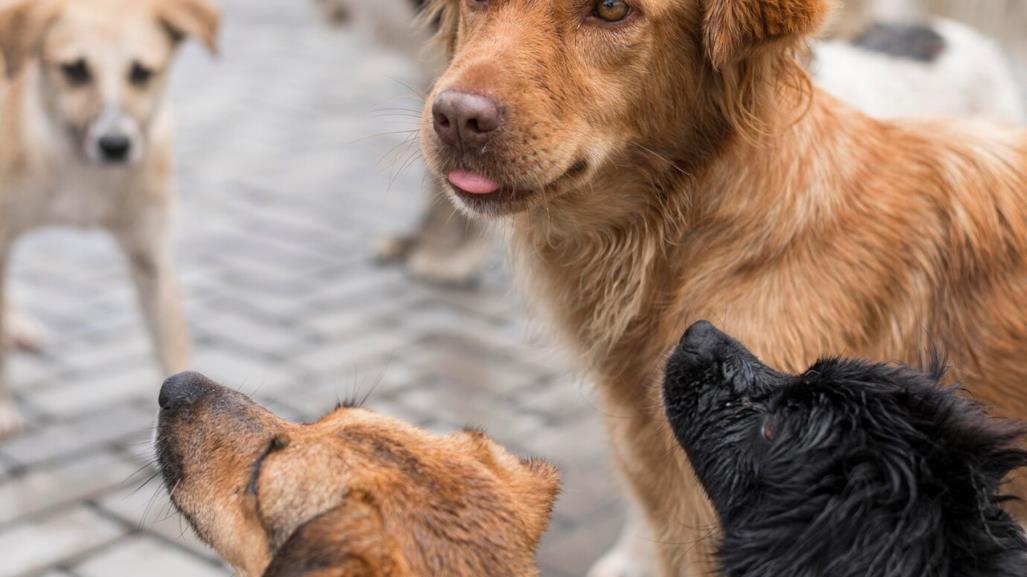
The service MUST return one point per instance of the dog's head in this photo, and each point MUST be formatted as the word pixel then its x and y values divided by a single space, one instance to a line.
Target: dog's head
pixel 102 64
pixel 355 494
pixel 849 469
pixel 546 97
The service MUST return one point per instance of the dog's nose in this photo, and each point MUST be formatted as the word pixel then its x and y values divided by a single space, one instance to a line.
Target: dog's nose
pixel 465 119
pixel 703 339
pixel 182 390
pixel 114 147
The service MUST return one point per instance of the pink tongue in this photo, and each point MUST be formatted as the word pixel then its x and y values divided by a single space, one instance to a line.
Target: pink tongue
pixel 472 183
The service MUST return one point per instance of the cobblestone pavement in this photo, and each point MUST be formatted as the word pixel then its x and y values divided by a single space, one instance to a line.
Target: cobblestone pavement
pixel 292 161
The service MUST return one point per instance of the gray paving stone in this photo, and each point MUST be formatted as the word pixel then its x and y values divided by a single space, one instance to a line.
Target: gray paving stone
pixel 121 383
pixel 51 487
pixel 45 542
pixel 74 437
pixel 146 556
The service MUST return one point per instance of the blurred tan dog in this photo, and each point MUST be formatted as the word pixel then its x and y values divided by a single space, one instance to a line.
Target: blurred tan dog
pixel 355 494
pixel 87 138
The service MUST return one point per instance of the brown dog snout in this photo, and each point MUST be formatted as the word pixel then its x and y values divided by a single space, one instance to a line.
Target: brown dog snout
pixel 464 119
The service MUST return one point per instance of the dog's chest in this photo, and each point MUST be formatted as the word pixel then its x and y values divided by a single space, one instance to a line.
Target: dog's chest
pixel 75 198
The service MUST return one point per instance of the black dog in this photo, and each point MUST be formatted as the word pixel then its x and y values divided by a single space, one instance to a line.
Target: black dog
pixel 849 470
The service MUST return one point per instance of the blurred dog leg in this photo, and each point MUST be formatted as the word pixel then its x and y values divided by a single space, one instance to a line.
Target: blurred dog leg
pixel 447 247
pixel 23 332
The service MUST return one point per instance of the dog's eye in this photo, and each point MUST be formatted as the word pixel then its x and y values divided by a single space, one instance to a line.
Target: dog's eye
pixel 768 431
pixel 76 72
pixel 139 74
pixel 611 10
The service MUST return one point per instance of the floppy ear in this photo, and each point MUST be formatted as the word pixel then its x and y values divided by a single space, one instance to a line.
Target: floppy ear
pixel 196 18
pixel 442 15
pixel 22 25
pixel 348 541
pixel 735 29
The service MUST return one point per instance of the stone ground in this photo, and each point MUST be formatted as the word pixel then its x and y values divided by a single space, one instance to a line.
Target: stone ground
pixel 292 160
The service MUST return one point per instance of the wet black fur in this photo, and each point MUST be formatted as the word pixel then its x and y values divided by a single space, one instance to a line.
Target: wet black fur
pixel 869 470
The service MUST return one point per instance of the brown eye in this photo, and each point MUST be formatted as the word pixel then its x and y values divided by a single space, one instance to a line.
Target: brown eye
pixel 76 72
pixel 767 430
pixel 611 10
pixel 139 74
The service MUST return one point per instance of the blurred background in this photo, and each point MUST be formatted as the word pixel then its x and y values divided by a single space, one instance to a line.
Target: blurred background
pixel 294 155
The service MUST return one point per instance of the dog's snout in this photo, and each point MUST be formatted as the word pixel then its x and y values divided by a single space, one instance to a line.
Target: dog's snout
pixel 703 340
pixel 114 147
pixel 182 390
pixel 461 118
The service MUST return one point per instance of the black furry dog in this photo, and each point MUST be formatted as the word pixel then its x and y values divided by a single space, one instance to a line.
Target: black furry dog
pixel 849 470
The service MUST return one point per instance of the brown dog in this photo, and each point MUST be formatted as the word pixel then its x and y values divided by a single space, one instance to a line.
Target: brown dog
pixel 354 495
pixel 86 138
pixel 664 161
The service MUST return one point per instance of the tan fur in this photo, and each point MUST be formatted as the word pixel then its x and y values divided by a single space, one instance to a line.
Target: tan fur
pixel 48 173
pixel 717 184
pixel 355 493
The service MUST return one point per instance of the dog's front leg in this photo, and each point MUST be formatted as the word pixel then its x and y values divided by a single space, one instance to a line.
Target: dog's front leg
pixel 10 419
pixel 147 245
pixel 634 554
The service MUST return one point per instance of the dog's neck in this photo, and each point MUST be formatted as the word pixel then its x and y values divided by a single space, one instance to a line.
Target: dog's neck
pixel 628 243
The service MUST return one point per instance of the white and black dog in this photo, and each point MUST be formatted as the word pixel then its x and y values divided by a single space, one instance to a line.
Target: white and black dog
pixel 851 469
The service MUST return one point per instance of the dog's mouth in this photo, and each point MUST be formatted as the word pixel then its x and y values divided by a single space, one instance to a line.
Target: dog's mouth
pixel 483 193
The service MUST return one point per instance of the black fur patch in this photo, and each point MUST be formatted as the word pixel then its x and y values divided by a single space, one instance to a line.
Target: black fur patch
pixel 912 42
pixel 851 469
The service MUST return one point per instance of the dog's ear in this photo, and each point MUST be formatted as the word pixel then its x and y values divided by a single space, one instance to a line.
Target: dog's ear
pixel 22 26
pixel 443 16
pixel 736 29
pixel 198 19
pixel 347 541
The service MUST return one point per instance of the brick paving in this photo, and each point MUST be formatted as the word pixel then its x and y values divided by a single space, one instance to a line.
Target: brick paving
pixel 292 160
pixel 293 157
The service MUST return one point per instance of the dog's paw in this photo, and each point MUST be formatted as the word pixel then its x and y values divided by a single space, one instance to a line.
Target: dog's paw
pixel 23 332
pixel 632 556
pixel 460 268
pixel 394 248
pixel 10 420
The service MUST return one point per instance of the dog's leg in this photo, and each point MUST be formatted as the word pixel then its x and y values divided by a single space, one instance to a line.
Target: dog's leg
pixel 634 554
pixel 147 245
pixel 10 420
pixel 448 248
pixel 22 331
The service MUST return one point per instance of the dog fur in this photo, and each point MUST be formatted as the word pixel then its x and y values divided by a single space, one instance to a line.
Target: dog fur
pixel 78 72
pixel 966 75
pixel 679 165
pixel 355 494
pixel 849 469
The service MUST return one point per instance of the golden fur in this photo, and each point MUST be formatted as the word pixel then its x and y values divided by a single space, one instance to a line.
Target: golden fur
pixel 679 166
pixel 355 494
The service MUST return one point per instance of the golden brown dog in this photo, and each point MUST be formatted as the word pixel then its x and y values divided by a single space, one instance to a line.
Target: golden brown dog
pixel 665 161
pixel 87 137
pixel 355 494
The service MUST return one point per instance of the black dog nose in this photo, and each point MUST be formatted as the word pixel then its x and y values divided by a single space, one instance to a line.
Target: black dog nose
pixel 114 147
pixel 703 339
pixel 182 390
pixel 462 118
